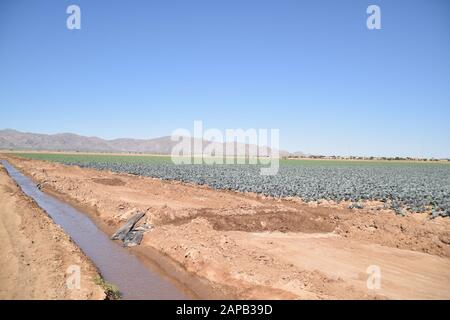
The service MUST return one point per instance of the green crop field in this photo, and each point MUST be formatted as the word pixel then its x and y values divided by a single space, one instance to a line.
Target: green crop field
pixel 401 185
pixel 164 159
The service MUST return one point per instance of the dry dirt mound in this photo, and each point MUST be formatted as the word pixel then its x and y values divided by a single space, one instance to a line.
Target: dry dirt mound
pixel 260 221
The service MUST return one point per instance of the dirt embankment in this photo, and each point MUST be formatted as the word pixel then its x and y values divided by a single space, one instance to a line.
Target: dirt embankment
pixel 247 246
pixel 36 254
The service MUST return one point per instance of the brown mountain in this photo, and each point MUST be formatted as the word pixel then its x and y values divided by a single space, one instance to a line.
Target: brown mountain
pixel 16 140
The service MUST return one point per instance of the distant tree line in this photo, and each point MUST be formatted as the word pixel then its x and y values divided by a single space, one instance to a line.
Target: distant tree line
pixel 362 158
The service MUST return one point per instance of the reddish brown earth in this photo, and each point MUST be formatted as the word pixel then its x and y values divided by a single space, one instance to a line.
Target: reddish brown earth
pixel 248 246
pixel 36 253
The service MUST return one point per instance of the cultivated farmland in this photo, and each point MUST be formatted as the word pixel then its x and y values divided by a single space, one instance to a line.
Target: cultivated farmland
pixel 249 246
pixel 401 186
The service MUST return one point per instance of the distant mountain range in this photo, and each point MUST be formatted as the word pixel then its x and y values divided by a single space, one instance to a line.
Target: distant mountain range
pixel 16 140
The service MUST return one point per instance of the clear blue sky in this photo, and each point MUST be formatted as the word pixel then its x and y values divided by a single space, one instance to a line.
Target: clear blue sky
pixel 310 68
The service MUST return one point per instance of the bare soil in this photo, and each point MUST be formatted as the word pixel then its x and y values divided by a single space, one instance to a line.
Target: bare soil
pixel 36 253
pixel 253 247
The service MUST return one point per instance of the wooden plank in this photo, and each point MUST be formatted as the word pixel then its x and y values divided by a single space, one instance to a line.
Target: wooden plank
pixel 122 232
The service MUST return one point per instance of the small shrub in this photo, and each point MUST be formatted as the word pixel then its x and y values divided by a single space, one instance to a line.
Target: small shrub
pixel 112 292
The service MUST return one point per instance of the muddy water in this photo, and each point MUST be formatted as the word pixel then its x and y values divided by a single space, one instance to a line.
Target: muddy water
pixel 116 264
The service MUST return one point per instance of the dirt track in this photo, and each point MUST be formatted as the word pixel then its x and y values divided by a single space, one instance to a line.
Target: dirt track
pixel 246 246
pixel 35 253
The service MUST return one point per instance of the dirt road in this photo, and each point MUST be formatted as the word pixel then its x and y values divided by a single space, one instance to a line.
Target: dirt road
pixel 36 253
pixel 247 246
